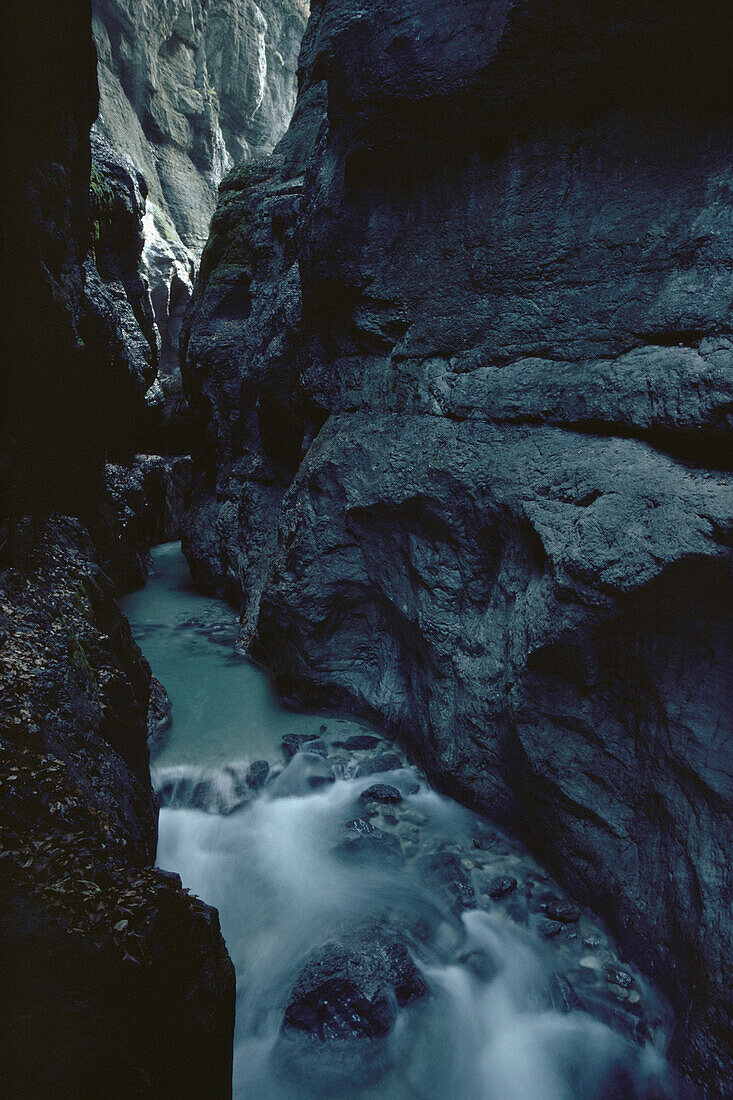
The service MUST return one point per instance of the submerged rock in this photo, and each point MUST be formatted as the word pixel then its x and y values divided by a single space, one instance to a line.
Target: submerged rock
pixel 303 742
pixel 380 762
pixel 363 840
pixel 446 872
pixel 358 741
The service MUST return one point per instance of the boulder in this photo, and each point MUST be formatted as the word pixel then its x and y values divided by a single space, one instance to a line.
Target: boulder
pixel 353 988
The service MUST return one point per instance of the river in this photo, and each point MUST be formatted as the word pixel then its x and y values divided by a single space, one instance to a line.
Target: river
pixel 388 943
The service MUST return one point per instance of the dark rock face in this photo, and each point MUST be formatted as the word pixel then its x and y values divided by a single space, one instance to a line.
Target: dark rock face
pixel 143 504
pixel 354 990
pixel 107 964
pixel 118 194
pixel 115 980
pixel 52 408
pixel 80 347
pixel 461 388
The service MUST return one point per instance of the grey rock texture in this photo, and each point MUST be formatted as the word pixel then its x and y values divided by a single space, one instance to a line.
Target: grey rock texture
pixel 117 297
pixel 189 87
pixel 353 990
pixel 461 372
pixel 143 504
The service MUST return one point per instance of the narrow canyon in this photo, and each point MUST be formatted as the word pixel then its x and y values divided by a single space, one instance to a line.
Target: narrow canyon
pixel 412 322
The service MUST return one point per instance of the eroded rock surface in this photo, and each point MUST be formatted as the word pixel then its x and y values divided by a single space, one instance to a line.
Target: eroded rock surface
pixel 353 990
pixel 143 504
pixel 461 369
pixel 189 88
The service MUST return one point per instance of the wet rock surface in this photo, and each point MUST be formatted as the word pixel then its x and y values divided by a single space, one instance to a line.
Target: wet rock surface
pixel 354 990
pixel 143 503
pixel 480 493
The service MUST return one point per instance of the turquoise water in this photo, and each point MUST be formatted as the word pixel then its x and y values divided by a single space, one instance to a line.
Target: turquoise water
pixel 511 1013
pixel 224 708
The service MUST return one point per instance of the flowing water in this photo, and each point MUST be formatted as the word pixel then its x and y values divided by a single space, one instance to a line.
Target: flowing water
pixel 388 943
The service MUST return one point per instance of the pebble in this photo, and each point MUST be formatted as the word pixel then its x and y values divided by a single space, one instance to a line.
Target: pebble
pixel 565 911
pixel 548 928
pixel 594 941
pixel 590 962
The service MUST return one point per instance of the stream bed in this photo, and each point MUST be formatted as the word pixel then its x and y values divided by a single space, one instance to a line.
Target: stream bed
pixel 388 943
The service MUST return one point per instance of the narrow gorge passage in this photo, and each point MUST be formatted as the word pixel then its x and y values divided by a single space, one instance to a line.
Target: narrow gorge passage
pixel 387 942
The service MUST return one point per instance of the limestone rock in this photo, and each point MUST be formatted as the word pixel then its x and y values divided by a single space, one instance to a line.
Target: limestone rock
pixel 188 88
pixel 459 361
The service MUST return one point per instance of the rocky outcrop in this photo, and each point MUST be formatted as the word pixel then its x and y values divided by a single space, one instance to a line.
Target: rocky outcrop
pixel 108 965
pixel 188 88
pixel 143 504
pixel 115 980
pixel 462 385
pixel 353 991
pixel 118 301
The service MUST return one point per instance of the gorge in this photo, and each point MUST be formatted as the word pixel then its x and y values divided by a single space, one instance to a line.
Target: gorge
pixel 440 402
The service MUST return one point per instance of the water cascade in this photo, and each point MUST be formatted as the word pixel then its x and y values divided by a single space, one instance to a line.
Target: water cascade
pixel 388 943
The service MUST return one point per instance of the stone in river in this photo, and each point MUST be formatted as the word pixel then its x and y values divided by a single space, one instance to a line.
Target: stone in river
pixel 567 912
pixel 616 976
pixel 294 742
pixel 548 928
pixel 353 990
pixel 381 792
pixel 500 886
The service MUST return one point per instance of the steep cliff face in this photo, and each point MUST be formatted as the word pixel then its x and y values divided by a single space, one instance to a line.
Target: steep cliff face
pixel 462 391
pixel 108 965
pixel 188 87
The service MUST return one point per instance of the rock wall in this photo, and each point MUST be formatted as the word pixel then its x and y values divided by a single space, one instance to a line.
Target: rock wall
pixel 115 980
pixel 188 88
pixel 461 372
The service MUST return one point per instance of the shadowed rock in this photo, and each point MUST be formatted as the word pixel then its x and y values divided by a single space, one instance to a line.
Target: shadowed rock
pixel 354 989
